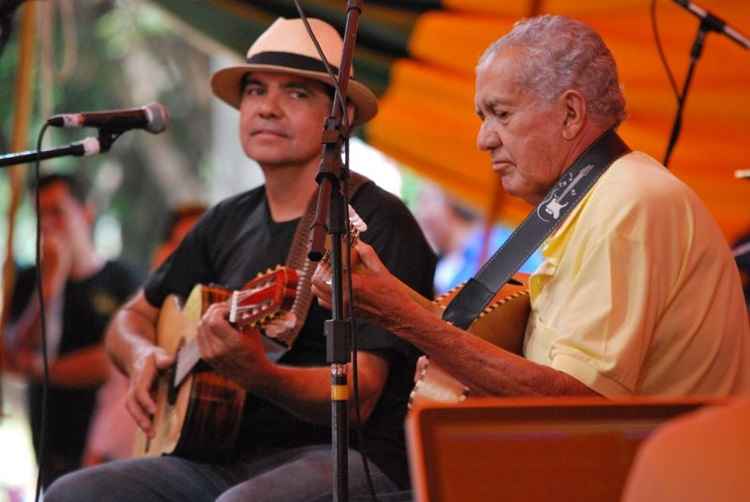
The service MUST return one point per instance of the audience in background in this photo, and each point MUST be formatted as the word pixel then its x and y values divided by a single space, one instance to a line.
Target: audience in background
pixel 81 290
pixel 458 234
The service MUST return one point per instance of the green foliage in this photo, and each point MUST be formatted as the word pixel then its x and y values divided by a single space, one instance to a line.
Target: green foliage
pixel 121 48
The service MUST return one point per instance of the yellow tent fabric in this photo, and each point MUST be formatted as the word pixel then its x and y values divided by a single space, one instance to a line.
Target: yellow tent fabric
pixel 419 55
pixel 427 112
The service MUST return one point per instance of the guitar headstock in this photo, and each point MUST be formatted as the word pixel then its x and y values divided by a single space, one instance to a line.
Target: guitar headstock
pixel 264 297
pixel 357 224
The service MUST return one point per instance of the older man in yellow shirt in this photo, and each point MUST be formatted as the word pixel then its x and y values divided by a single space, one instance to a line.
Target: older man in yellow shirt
pixel 638 292
pixel 651 300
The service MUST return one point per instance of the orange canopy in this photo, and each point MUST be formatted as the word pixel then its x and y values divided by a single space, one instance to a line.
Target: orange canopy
pixel 419 55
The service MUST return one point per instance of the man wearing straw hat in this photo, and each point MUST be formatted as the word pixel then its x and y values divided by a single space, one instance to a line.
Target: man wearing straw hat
pixel 283 94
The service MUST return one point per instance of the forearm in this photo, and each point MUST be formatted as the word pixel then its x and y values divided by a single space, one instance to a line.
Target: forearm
pixel 483 367
pixel 25 333
pixel 305 392
pixel 130 332
pixel 83 368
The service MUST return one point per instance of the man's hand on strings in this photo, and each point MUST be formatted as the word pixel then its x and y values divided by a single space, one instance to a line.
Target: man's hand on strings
pixel 378 295
pixel 237 355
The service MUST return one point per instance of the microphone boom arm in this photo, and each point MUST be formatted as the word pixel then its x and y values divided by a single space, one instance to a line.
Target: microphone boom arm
pixel 715 23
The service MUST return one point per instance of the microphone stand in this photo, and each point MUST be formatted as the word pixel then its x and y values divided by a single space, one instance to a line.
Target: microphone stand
pixel 85 147
pixel 695 54
pixel 332 181
pixel 709 22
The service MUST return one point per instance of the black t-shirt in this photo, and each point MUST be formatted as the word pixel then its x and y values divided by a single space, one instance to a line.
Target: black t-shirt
pixel 87 306
pixel 237 239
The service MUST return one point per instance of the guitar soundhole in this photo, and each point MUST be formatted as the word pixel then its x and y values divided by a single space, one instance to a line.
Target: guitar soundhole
pixel 171 387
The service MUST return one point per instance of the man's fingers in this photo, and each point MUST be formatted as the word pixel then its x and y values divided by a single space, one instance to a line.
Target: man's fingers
pixel 140 405
pixel 422 364
pixel 142 386
pixel 322 289
pixel 205 345
pixel 324 302
pixel 141 418
pixel 142 395
pixel 369 257
pixel 215 320
pixel 163 360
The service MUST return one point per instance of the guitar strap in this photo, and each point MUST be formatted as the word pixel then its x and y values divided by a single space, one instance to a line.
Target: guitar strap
pixel 565 195
pixel 297 259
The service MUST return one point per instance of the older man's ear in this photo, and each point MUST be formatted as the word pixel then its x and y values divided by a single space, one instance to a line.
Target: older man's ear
pixel 575 113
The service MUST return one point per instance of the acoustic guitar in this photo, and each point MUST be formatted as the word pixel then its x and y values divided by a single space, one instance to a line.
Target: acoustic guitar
pixel 198 411
pixel 502 323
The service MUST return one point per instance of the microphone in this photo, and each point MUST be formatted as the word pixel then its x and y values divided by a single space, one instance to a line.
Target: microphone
pixel 715 23
pixel 153 118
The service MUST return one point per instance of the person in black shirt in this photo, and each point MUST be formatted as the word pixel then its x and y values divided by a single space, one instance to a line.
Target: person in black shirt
pixel 283 95
pixel 81 291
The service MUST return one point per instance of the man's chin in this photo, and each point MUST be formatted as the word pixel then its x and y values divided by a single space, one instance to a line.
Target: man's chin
pixel 510 187
pixel 519 192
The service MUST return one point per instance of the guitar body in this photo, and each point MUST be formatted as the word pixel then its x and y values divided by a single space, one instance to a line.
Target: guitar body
pixel 198 411
pixel 502 323
pixel 201 418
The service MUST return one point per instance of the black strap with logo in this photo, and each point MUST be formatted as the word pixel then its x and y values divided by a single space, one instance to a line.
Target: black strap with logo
pixel 565 195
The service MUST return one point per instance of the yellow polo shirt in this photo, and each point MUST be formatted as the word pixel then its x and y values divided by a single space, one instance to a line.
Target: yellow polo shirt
pixel 638 292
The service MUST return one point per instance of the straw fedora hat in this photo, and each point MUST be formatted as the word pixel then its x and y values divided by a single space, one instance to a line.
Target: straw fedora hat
pixel 285 47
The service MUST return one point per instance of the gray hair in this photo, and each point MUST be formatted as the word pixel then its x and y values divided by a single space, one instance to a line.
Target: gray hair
pixel 564 54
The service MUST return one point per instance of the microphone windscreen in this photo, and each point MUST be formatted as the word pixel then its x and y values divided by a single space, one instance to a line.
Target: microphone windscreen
pixel 158 117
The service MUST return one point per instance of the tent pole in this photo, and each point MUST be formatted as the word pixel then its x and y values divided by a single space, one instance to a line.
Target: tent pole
pixel 21 118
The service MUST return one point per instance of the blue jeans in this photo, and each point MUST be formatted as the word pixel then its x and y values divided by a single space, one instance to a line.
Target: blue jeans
pixel 299 474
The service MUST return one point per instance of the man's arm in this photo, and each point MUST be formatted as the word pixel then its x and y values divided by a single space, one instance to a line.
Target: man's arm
pixel 80 369
pixel 25 331
pixel 306 391
pixel 303 391
pixel 485 368
pixel 130 342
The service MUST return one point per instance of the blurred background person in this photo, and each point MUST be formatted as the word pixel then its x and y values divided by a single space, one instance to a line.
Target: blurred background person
pixel 112 432
pixel 179 222
pixel 81 290
pixel 457 234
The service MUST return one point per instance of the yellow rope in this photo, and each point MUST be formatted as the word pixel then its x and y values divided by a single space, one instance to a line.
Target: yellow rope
pixel 21 116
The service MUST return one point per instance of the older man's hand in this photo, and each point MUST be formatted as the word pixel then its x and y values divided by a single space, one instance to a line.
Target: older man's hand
pixel 378 295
